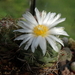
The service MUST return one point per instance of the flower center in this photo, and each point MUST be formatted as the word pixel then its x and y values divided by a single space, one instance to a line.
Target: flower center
pixel 40 30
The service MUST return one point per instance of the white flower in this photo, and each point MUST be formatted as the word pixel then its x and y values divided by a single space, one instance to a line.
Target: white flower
pixel 41 30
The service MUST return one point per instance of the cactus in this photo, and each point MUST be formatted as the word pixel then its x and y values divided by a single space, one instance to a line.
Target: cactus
pixel 7 46
pixel 71 44
pixel 73 66
pixel 65 54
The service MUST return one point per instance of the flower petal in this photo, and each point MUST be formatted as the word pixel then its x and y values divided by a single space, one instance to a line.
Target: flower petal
pixel 21 37
pixel 37 41
pixel 23 30
pixel 28 16
pixel 58 31
pixel 43 15
pixel 26 24
pixel 56 39
pixel 28 44
pixel 57 22
pixel 21 25
pixel 33 45
pixel 54 20
pixel 38 15
pixel 26 39
pixel 46 18
pixel 42 44
pixel 51 16
pixel 52 43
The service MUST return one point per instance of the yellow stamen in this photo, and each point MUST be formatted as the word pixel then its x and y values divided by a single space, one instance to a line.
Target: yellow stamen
pixel 40 30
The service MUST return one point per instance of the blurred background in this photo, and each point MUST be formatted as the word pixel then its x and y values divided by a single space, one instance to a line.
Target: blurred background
pixel 15 9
